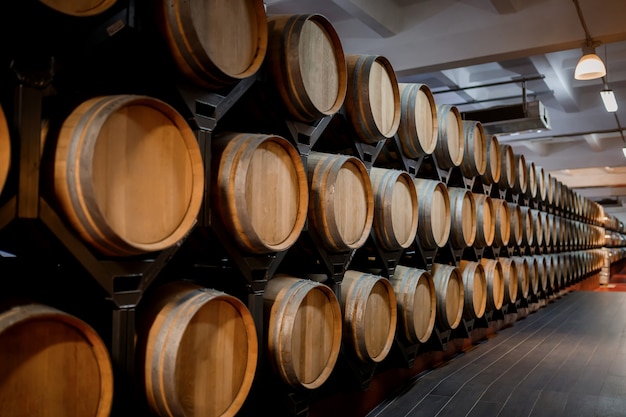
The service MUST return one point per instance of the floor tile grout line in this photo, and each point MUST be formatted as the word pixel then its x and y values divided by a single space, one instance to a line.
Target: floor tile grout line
pixel 487 352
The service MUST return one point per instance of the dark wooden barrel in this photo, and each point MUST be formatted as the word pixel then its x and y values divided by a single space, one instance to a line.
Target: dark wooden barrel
pixel 303 324
pixel 463 217
pixel 417 302
pixel 523 276
pixel 503 222
pixel 507 167
pixel 475 153
pixel 79 8
pixel 417 131
pixel 259 190
pixel 52 364
pixel 451 138
pixel 434 213
pixel 370 315
pixel 537 226
pixel 372 101
pixel 533 274
pixel 214 43
pixel 520 185
pixel 395 208
pixel 450 295
pixel 494 164
pixel 5 149
pixel 517 225
pixel 509 272
pixel 495 283
pixel 128 174
pixel 541 183
pixel 306 61
pixel 341 201
pixel 528 233
pixel 485 220
pixel 474 288
pixel 191 340
pixel 532 189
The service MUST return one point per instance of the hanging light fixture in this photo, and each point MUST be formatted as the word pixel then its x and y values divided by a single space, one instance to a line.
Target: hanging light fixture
pixel 590 66
pixel 608 98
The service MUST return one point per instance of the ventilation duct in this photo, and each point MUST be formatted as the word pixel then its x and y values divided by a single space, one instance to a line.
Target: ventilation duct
pixel 529 116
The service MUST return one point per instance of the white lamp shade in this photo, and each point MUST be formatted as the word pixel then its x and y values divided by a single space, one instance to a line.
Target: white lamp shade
pixel 589 67
pixel 624 151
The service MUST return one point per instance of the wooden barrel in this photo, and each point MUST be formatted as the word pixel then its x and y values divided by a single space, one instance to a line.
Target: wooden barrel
pixel 5 149
pixel 372 101
pixel 556 191
pixel 558 270
pixel 474 288
pixel 507 167
pixel 128 174
pixel 450 138
pixel 462 217
pixel 520 185
pixel 52 363
pixel 450 295
pixel 523 276
pixel 79 8
pixel 495 283
pixel 503 223
pixel 215 43
pixel 554 229
pixel 517 231
pixel 494 163
pixel 417 302
pixel 542 273
pixel 303 323
pixel 549 185
pixel 307 64
pixel 434 213
pixel 192 340
pixel 546 224
pixel 532 189
pixel 528 233
pixel 259 190
pixel 369 315
pixel 550 273
pixel 485 220
pixel 474 161
pixel 509 273
pixel 541 183
pixel 537 226
pixel 417 131
pixel 533 274
pixel 341 200
pixel 395 208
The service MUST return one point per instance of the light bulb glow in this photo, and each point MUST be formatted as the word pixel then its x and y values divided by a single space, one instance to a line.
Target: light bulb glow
pixel 608 98
pixel 589 67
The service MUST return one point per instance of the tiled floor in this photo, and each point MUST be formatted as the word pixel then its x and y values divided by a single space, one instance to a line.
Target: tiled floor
pixel 567 359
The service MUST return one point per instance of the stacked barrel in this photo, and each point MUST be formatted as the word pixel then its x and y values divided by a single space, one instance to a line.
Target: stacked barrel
pixel 362 213
pixel 614 249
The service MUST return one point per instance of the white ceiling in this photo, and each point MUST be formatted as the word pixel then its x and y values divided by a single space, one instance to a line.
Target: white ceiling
pixel 455 44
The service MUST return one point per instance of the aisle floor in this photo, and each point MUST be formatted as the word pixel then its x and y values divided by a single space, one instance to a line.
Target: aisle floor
pixel 566 359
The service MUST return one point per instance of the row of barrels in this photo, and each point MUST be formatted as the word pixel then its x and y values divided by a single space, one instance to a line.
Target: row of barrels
pixel 198 350
pixel 132 191
pixel 612 223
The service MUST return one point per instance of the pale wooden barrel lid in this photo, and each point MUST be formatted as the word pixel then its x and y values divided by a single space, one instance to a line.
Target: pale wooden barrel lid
pixel 341 202
pixel 418 120
pixel 451 139
pixel 373 98
pixel 395 207
pixel 493 168
pixel 215 43
pixel 475 153
pixel 260 189
pixel 417 302
pixel 129 174
pixel 306 60
pixel 193 339
pixel 369 314
pixel 304 330
pixel 495 283
pixel 450 295
pixel 79 7
pixel 56 361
